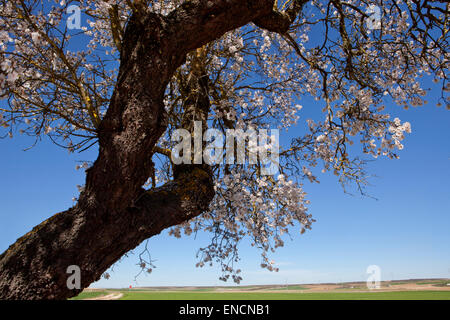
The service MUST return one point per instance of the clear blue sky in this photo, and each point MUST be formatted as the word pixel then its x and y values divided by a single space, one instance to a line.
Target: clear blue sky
pixel 405 231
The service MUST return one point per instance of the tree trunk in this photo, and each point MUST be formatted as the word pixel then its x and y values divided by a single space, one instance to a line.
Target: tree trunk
pixel 114 214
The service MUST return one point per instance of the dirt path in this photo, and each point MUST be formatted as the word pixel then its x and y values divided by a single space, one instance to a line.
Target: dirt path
pixel 111 296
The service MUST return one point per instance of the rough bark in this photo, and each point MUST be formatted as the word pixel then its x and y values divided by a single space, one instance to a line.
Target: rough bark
pixel 114 214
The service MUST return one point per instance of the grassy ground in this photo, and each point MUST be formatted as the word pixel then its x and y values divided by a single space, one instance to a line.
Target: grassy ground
pixel 400 295
pixel 89 294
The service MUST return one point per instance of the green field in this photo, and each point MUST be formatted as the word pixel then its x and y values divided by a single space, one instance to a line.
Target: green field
pixel 89 294
pixel 416 290
pixel 399 295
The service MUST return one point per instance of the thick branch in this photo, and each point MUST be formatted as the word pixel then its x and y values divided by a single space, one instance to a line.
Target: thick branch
pixel 197 22
pixel 279 22
pixel 35 266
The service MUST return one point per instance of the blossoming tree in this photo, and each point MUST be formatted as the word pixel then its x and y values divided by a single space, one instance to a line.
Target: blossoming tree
pixel 137 70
